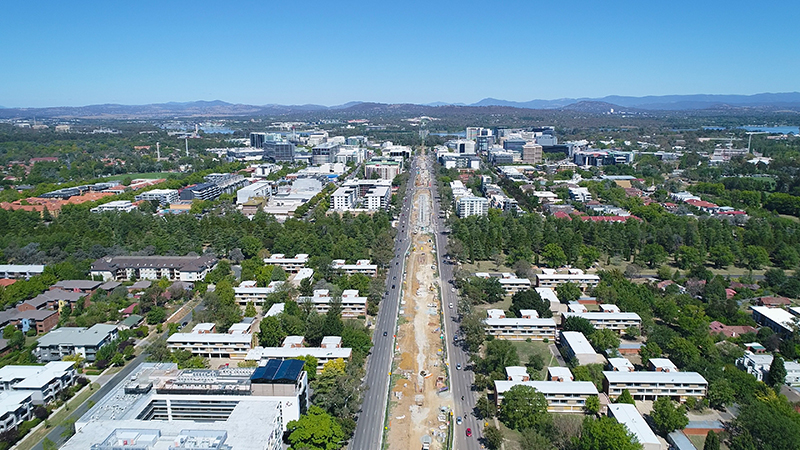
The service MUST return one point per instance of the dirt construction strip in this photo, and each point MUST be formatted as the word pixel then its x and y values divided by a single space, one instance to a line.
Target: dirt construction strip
pixel 420 392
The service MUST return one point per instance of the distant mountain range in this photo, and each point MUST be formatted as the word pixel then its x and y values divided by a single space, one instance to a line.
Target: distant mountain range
pixel 219 108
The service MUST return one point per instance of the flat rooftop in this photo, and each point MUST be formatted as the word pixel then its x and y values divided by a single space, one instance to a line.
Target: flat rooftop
pixel 627 415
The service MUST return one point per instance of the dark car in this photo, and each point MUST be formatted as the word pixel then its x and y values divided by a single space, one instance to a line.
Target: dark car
pixel 385 333
pixel 392 286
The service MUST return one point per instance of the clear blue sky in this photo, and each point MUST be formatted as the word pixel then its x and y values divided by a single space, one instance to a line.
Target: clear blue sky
pixel 331 52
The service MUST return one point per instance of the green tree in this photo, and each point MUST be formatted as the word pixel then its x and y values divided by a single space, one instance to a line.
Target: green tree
pixel 766 425
pixel 687 257
pixel 592 405
pixel 720 393
pixel 485 407
pixel 534 440
pixel 270 332
pixel 625 397
pixel 250 310
pixel 605 433
pixel 524 407
pixel 721 256
pixel 777 372
pixel 604 339
pixel 648 351
pixel 306 287
pixel 499 355
pixel 568 292
pixel 493 436
pixel 653 255
pixel 712 441
pixel 554 255
pixel 530 299
pixel 8 331
pixel 581 324
pixel 755 257
pixel 316 430
pixel 310 366
pixel 156 315
pixel 668 417
pixel 787 257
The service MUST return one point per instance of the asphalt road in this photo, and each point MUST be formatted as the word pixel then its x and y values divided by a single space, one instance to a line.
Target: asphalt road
pixel 369 428
pixel 461 380
pixel 55 433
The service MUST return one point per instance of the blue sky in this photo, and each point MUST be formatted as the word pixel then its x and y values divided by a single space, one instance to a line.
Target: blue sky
pixel 331 52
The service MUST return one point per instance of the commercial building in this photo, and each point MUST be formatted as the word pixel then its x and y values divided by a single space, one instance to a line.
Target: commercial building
pixel 472 206
pixel 519 329
pixel 279 151
pixel 650 385
pixel 617 321
pixel 257 189
pixel 351 303
pixel 173 268
pixel 20 271
pixel 575 345
pixel 383 168
pixel 462 146
pixel 324 153
pixel 532 153
pixel 289 265
pixel 163 196
pixel 362 266
pixel 627 415
pixel 201 342
pixel 257 140
pixel 779 320
pixel 561 396
pixel 43 383
pixel 64 341
pixel 115 206
pixel 552 279
pixel 161 407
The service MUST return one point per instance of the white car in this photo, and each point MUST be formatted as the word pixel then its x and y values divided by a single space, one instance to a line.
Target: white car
pixel 451 306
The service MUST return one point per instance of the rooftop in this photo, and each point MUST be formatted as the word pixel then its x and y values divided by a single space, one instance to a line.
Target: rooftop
pixel 549 387
pixel 627 415
pixel 77 336
pixel 655 377
pixel 578 342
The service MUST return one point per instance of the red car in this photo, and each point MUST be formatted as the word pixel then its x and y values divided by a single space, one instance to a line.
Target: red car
pixel 469 432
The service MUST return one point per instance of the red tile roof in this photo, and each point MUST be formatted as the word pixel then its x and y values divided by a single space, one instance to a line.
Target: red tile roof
pixel 562 215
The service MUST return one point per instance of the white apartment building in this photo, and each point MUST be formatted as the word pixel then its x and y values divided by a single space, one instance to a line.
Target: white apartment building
pixel 779 320
pixel 362 266
pixel 116 205
pixel 289 265
pixel 519 329
pixel 472 206
pixel 352 304
pixel 65 341
pixel 248 292
pixel 15 407
pixel 378 198
pixel 618 322
pixel 620 365
pixel 552 279
pixel 561 396
pixel 510 282
pixel 651 385
pixel 758 364
pixel 559 373
pixel 199 342
pixel 173 268
pixel 517 373
pixel 20 271
pixel 576 346
pixel 580 194
pixel 42 383
pixel 163 196
pixel 662 365
pixel 322 354
pixel 344 198
pixel 627 415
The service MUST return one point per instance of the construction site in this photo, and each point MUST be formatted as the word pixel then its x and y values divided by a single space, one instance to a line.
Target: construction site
pixel 420 399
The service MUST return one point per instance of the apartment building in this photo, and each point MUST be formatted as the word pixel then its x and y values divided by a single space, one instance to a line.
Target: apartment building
pixel 552 279
pixel 202 341
pixel 510 282
pixel 15 407
pixel 248 292
pixel 163 196
pixel 472 206
pixel 173 268
pixel 362 266
pixel 758 366
pixel 20 271
pixel 289 265
pixel 617 321
pixel 576 346
pixel 620 365
pixel 651 385
pixel 351 303
pixel 43 383
pixel 661 365
pixel 323 354
pixel 41 320
pixel 114 206
pixel 519 329
pixel 517 373
pixel 384 169
pixel 561 396
pixel 58 343
pixel 559 373
pixel 627 415
pixel 779 320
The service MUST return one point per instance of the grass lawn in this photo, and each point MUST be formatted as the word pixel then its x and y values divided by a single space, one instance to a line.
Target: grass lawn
pixel 699 441
pixel 527 349
pixel 485 266
pixel 732 271
pixel 504 305
pixel 148 175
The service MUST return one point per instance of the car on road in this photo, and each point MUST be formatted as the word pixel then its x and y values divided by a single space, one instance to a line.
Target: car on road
pixel 385 333
pixel 458 366
pixel 451 306
pixel 469 432
pixel 392 286
pixel 458 420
